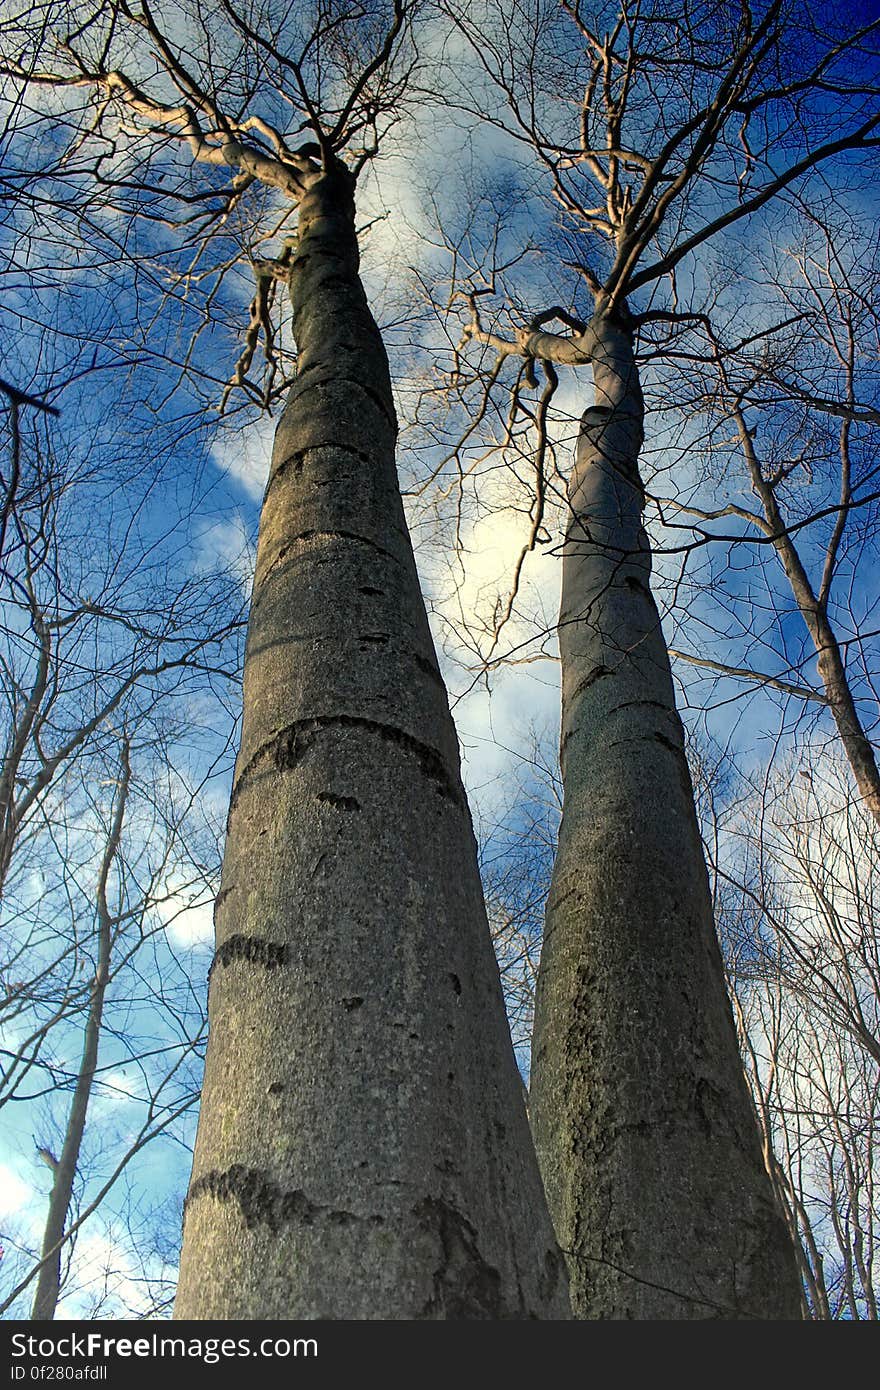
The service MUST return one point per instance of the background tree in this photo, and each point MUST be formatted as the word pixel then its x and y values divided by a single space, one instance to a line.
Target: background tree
pixel 111 650
pixel 517 847
pixel 792 412
pixel 794 859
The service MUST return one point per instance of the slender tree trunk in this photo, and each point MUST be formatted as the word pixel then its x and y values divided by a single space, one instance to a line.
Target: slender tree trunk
pixel 645 1131
pixel 363 1150
pixel 832 672
pixel 813 608
pixel 49 1277
pixel 20 736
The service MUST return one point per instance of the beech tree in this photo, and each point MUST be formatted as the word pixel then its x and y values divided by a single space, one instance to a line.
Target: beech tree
pixel 691 118
pixel 791 852
pixel 362 1148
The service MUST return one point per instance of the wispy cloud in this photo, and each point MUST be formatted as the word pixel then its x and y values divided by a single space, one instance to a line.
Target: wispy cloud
pixel 244 455
pixel 188 917
pixel 227 545
pixel 16 1196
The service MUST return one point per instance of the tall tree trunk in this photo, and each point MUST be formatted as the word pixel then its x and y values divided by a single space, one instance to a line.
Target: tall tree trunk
pixel 363 1150
pixel 644 1127
pixel 49 1277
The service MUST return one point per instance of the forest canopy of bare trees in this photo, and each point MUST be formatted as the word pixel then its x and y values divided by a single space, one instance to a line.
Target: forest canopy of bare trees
pixel 370 366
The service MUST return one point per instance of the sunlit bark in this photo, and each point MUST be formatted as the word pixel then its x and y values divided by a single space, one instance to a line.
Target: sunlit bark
pixel 644 1127
pixel 363 1150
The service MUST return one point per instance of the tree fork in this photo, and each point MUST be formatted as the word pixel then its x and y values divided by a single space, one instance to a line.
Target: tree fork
pixel 363 1150
pixel 644 1127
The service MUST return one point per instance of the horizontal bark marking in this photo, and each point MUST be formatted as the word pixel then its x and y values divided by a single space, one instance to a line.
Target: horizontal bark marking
pixel 306 538
pixel 631 704
pixel 263 1202
pixel 554 904
pixel 386 407
pixel 597 674
pixel 340 803
pixel 669 743
pixel 255 949
pixel 289 744
pixel 295 462
pixel 684 771
pixel 648 736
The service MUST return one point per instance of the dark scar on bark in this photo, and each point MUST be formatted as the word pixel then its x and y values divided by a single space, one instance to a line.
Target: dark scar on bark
pixel 596 674
pixel 340 803
pixel 254 949
pixel 263 1202
pixel 429 669
pixel 465 1285
pixel 638 585
pixel 221 898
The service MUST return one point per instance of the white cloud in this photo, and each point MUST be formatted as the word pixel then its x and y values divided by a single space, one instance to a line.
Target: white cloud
pixel 119 1086
pixel 495 714
pixel 244 455
pixel 16 1196
pixel 106 1279
pixel 227 545
pixel 188 918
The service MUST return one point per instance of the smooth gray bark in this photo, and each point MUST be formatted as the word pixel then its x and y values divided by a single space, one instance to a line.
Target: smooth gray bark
pixel 363 1150
pixel 648 1143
